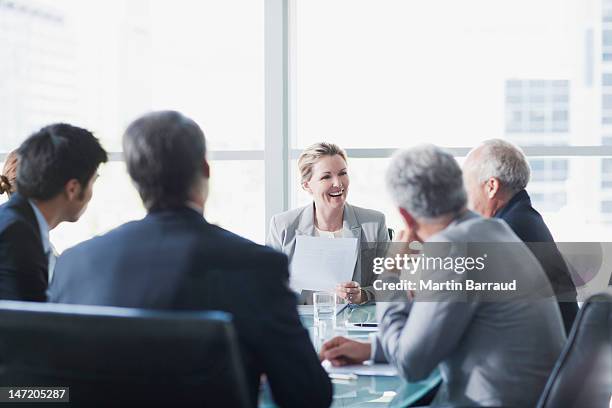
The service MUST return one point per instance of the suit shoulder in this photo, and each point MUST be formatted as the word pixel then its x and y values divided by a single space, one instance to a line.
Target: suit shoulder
pixel 14 225
pixel 528 224
pixel 227 237
pixel 501 228
pixel 521 212
pixel 368 214
pixel 111 237
pixel 285 219
pixel 9 217
pixel 234 252
pixel 245 247
pixel 478 229
pixel 17 234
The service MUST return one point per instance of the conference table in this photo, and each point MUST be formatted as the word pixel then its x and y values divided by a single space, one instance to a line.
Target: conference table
pixel 364 391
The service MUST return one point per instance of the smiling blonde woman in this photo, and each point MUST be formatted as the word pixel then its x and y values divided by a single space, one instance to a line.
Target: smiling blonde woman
pixel 324 175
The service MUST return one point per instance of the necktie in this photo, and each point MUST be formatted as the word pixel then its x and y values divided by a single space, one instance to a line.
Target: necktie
pixel 51 257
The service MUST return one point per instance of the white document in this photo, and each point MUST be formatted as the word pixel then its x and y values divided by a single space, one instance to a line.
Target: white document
pixel 366 369
pixel 320 263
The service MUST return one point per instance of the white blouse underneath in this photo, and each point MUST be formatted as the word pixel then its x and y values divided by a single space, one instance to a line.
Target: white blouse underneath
pixel 328 234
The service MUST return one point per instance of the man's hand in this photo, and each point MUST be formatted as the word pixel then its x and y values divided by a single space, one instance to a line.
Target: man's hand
pixel 342 351
pixel 407 235
pixel 350 291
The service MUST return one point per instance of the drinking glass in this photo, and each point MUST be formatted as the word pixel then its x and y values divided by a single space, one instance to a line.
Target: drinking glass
pixel 324 315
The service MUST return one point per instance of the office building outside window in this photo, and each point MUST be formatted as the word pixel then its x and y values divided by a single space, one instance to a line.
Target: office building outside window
pixel 389 79
pixel 537 114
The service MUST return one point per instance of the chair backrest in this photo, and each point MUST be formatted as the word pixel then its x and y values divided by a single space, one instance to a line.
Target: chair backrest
pixel 582 376
pixel 112 356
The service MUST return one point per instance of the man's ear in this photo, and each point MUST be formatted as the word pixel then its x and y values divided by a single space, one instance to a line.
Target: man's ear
pixel 407 217
pixel 72 189
pixel 206 169
pixel 492 186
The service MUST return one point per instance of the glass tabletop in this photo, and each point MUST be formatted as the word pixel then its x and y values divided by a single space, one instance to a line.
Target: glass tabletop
pixel 365 391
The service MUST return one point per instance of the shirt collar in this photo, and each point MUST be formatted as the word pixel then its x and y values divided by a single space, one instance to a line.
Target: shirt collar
pixel 42 226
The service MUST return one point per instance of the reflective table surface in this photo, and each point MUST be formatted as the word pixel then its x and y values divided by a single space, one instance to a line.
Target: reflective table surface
pixel 365 391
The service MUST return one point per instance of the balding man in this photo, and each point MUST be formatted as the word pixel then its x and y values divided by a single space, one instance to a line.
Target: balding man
pixel 491 350
pixel 496 174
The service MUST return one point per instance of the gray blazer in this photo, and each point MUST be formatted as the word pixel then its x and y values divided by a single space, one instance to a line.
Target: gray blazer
pixel 496 353
pixel 368 226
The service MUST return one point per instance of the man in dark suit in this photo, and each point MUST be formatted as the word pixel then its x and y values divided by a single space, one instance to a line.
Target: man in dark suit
pixel 55 176
pixel 174 259
pixel 496 174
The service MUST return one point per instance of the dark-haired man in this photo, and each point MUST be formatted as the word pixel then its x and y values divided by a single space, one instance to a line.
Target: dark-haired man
pixel 174 259
pixel 57 168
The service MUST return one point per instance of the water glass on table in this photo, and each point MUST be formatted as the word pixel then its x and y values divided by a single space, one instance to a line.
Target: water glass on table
pixel 324 315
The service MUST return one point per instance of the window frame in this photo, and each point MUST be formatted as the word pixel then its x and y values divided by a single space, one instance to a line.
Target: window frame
pixel 279 135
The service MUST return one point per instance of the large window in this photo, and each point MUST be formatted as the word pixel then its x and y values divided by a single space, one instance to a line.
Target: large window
pixel 101 64
pixel 266 78
pixel 391 73
pixel 374 75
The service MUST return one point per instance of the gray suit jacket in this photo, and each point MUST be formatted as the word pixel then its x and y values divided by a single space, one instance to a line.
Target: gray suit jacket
pixel 368 226
pixel 489 352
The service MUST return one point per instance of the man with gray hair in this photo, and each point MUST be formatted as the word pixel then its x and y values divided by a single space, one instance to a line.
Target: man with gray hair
pixel 490 352
pixel 496 174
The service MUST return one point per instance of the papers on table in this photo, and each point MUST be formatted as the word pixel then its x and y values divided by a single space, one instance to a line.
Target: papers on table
pixel 362 327
pixel 321 263
pixel 366 369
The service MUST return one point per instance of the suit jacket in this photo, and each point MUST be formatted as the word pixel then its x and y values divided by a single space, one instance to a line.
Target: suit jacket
pixel 497 353
pixel 174 259
pixel 368 226
pixel 529 225
pixel 23 264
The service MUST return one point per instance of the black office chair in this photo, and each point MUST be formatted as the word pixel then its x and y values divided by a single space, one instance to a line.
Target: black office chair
pixel 582 376
pixel 122 357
